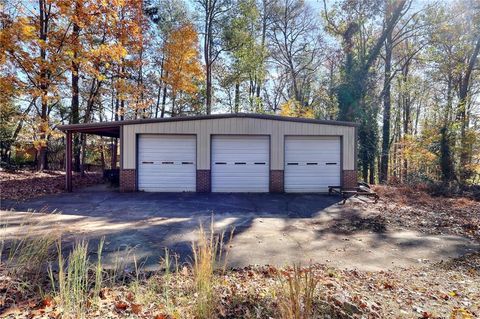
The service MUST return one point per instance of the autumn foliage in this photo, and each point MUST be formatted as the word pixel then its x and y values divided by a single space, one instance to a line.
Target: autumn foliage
pixel 42 45
pixel 292 108
pixel 183 71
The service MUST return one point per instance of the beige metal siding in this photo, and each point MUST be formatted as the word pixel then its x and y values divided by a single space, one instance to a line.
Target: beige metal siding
pixel 205 128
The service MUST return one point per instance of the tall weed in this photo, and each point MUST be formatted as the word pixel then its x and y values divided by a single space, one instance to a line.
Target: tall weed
pixel 207 254
pixel 74 281
pixel 26 256
pixel 296 295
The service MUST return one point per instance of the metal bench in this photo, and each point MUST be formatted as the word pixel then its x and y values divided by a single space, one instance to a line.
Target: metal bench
pixel 362 190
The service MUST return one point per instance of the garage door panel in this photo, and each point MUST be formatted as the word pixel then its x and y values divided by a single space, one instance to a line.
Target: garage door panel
pixel 167 163
pixel 311 163
pixel 240 163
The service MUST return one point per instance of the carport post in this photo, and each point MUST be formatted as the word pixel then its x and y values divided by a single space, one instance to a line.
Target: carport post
pixel 68 163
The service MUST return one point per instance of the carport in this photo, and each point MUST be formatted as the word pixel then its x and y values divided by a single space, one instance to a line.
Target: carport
pixel 107 129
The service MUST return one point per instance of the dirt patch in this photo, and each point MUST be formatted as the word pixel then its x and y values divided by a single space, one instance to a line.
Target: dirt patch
pixel 22 185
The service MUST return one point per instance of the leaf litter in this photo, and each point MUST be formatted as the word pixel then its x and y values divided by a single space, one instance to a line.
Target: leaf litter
pixel 447 289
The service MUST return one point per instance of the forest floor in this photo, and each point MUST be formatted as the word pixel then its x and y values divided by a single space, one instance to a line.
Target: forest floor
pixel 446 289
pixel 21 185
pixel 408 208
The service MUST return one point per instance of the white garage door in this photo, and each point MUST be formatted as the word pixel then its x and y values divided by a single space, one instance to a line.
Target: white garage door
pixel 240 163
pixel 166 163
pixel 311 163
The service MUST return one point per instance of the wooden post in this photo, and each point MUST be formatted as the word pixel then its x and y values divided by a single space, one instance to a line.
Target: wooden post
pixel 68 163
pixel 114 153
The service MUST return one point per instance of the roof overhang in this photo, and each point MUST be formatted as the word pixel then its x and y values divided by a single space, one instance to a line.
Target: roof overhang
pixel 112 129
pixel 108 129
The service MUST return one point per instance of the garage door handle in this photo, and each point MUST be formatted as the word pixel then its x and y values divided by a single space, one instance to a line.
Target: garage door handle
pixel 240 163
pixel 330 163
pixel 259 163
pixel 220 163
pixel 147 162
pixel 312 163
pixel 292 163
pixel 187 163
pixel 167 162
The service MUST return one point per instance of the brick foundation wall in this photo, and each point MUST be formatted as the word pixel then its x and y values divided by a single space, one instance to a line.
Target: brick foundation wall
pixel 203 181
pixel 349 179
pixel 127 180
pixel 276 181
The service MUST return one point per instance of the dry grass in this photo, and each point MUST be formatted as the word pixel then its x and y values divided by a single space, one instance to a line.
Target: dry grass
pixel 297 293
pixel 449 290
pixel 166 263
pixel 23 255
pixel 72 286
pixel 207 255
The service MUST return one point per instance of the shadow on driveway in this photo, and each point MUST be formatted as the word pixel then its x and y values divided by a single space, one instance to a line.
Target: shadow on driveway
pixel 269 228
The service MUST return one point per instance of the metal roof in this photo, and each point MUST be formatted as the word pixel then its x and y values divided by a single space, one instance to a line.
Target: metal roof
pixel 113 128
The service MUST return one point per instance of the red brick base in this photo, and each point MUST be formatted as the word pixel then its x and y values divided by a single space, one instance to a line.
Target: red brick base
pixel 127 180
pixel 276 181
pixel 349 179
pixel 203 181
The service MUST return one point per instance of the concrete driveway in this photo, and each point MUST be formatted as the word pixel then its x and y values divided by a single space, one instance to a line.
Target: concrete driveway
pixel 269 228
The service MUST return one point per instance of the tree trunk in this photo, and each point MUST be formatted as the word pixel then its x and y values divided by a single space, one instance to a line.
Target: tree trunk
pixel 94 89
pixel 365 172
pixel 117 105
pixel 157 104
pixel 237 97
pixel 173 112
pixel 372 171
pixel 160 84
pixel 113 164
pixel 208 43
pixel 406 120
pixel 386 111
pixel 164 101
pixel 83 157
pixel 42 161
pixel 397 139
pixel 446 158
pixel 465 146
pixel 140 99
pixel 122 101
pixel 75 97
pixel 264 36
pixel 353 88
pixel 102 156
pixel 446 163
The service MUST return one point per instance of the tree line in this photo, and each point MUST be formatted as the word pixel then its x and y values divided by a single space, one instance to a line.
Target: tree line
pixel 407 71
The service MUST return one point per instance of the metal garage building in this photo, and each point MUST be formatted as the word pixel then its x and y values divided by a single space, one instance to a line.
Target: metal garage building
pixel 229 153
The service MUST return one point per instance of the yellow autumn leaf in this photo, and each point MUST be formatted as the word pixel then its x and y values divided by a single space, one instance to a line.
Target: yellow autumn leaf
pixel 182 65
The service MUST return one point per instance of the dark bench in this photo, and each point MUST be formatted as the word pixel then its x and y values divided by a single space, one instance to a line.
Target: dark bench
pixel 362 190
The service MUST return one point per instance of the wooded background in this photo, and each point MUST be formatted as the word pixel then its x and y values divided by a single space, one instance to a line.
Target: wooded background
pixel 406 70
